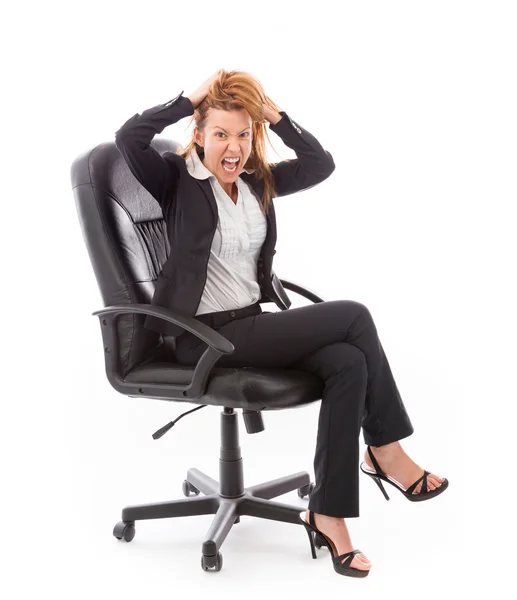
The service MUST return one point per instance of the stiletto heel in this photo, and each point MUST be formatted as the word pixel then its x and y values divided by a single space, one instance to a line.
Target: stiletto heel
pixel 379 475
pixel 378 482
pixel 320 539
pixel 310 534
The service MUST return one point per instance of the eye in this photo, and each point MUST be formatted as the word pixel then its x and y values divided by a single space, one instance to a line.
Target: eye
pixel 244 133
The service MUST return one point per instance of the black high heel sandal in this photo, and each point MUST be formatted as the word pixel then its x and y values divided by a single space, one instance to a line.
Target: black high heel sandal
pixel 316 537
pixel 408 493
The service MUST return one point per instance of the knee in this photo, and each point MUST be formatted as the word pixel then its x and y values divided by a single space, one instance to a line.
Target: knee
pixel 352 358
pixel 358 307
pixel 360 310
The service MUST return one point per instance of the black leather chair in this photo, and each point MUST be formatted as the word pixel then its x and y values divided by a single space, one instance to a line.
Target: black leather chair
pixel 125 235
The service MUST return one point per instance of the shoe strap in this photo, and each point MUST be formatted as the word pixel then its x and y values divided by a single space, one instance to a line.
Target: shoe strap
pixel 338 559
pixel 375 463
pixel 312 521
pixel 424 484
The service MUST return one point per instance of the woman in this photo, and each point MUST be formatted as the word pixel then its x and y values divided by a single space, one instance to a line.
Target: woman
pixel 220 269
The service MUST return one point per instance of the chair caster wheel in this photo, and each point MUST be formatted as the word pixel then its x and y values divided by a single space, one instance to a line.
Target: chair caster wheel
pixel 318 542
pixel 305 490
pixel 124 530
pixel 212 562
pixel 188 487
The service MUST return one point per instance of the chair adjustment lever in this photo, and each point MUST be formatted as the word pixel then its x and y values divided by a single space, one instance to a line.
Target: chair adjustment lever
pixel 158 434
pixel 163 430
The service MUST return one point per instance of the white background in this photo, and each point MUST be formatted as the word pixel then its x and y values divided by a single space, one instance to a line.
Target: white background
pixel 416 103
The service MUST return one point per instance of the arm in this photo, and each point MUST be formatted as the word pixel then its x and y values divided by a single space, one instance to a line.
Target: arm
pixel 133 139
pixel 313 163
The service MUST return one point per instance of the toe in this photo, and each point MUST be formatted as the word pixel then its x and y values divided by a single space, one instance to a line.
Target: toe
pixel 436 481
pixel 359 564
pixel 433 483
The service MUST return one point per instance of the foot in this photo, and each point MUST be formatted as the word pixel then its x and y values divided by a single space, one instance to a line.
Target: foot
pixel 396 463
pixel 336 529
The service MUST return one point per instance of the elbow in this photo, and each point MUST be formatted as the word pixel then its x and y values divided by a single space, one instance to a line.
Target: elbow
pixel 121 144
pixel 120 138
pixel 328 165
pixel 331 165
pixel 125 130
pixel 121 134
pixel 125 141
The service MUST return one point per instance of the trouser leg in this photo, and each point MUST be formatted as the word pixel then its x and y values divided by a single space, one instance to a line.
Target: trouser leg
pixel 343 369
pixel 285 339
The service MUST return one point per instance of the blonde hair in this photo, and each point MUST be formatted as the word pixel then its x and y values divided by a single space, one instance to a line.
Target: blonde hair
pixel 235 90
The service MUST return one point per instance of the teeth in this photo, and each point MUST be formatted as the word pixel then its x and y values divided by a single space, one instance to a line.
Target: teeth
pixel 231 159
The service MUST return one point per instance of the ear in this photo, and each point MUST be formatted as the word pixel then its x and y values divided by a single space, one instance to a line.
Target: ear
pixel 198 136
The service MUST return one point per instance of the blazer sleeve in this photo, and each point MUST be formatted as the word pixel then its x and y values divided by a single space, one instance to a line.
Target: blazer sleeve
pixel 312 165
pixel 157 175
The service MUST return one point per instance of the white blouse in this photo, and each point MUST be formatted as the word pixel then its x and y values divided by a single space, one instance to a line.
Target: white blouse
pixel 241 230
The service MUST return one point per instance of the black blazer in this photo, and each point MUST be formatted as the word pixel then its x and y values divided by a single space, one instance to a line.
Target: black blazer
pixel 190 209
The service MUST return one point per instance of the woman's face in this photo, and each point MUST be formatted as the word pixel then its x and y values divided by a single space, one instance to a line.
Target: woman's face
pixel 227 134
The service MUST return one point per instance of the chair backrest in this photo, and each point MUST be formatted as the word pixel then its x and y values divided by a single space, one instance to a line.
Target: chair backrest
pixel 126 237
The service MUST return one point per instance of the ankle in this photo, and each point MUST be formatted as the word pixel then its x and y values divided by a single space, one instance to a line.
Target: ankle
pixel 390 448
pixel 326 519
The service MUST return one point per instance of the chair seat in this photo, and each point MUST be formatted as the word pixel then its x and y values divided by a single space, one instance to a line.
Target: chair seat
pixel 242 387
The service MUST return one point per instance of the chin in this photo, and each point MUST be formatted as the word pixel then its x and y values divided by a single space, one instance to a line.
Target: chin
pixel 231 175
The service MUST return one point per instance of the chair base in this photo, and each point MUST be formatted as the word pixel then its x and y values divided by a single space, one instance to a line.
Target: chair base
pixel 227 499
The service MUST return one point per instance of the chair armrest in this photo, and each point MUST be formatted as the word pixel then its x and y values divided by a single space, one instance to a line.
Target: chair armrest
pixel 217 345
pixel 202 331
pixel 289 285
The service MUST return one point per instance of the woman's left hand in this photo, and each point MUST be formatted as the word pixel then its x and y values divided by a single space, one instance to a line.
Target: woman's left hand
pixel 271 115
pixel 271 111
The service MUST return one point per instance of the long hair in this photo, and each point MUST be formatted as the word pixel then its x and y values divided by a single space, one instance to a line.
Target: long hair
pixel 234 90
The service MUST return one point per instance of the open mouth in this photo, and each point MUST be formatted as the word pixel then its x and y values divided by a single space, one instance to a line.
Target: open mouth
pixel 230 165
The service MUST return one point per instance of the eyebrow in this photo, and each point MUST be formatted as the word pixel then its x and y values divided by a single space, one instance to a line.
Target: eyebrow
pixel 218 127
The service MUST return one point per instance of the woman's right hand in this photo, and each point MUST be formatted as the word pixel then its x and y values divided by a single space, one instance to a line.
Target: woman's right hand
pixel 199 95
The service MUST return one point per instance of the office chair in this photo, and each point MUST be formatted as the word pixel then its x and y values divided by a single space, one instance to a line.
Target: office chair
pixel 125 234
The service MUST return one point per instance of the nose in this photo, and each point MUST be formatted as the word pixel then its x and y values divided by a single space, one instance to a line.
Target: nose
pixel 233 146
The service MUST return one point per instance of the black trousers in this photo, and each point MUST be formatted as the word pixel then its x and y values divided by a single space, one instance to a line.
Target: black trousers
pixel 336 340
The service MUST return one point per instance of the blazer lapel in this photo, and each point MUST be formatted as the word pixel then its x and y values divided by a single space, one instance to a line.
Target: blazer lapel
pixel 204 184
